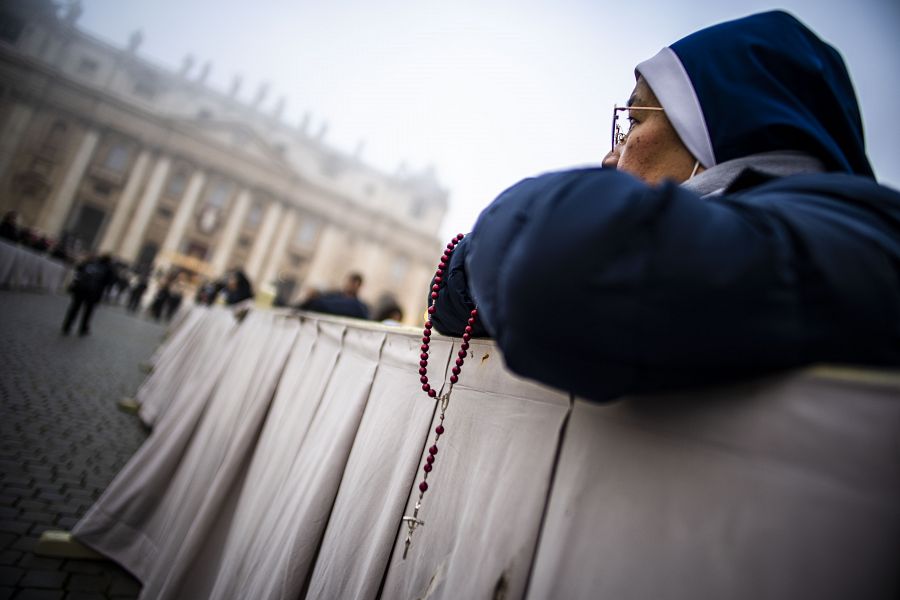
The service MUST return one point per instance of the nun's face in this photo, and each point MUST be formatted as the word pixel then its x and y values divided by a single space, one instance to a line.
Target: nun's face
pixel 652 151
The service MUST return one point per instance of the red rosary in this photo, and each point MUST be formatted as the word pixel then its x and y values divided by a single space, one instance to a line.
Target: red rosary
pixel 414 521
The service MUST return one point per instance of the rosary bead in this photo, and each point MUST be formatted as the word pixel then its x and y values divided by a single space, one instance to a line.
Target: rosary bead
pixel 433 450
pixel 462 354
pixel 450 246
pixel 442 265
pixel 431 310
pixel 445 257
pixel 428 325
pixel 459 362
pixel 427 468
pixel 422 371
pixel 438 279
pixel 434 295
pixel 454 379
pixel 468 329
pixel 439 430
pixel 423 363
pixel 430 458
pixel 423 379
pixel 423 487
pixel 425 347
pixel 424 356
pixel 464 346
pixel 432 393
pixel 459 237
pixel 426 387
pixel 435 287
pixel 440 272
pixel 456 370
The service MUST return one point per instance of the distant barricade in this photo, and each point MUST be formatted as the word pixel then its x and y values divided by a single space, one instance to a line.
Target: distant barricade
pixel 25 269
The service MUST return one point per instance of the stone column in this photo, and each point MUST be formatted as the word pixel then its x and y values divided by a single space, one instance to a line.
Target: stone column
pixel 287 229
pixel 134 235
pixel 183 215
pixel 331 253
pixel 263 241
pixel 57 206
pixel 13 130
pixel 230 233
pixel 415 298
pixel 124 206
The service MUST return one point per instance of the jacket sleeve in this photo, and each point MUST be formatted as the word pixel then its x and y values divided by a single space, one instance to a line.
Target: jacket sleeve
pixel 596 283
pixel 455 303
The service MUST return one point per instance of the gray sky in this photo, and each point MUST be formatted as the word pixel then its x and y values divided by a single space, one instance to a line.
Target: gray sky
pixel 489 91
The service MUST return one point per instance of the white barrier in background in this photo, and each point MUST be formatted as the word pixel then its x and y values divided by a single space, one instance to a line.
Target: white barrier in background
pixel 25 269
pixel 287 476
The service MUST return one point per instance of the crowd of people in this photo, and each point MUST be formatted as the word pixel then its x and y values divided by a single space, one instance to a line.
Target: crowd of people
pixel 105 279
pixel 64 249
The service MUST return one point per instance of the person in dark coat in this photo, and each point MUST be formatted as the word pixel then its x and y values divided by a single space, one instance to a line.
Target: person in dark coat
pixel 345 303
pixel 137 293
pixel 735 229
pixel 237 288
pixel 161 299
pixel 91 278
pixel 9 227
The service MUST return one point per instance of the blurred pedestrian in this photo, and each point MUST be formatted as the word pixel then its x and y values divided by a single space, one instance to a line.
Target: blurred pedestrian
pixel 238 288
pixel 345 303
pixel 9 227
pixel 91 278
pixel 138 288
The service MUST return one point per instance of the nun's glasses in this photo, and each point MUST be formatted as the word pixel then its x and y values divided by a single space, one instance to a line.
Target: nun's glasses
pixel 620 132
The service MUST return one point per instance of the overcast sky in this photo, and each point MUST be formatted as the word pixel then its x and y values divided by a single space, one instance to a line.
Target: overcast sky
pixel 488 91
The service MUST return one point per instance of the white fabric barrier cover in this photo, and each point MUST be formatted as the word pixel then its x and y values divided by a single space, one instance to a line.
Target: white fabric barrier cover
pixel 297 399
pixel 24 269
pixel 785 488
pixel 487 493
pixel 781 488
pixel 275 560
pixel 191 357
pixel 157 511
pixel 380 472
pixel 8 253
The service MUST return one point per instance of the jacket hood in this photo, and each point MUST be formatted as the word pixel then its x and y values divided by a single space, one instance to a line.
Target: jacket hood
pixel 759 84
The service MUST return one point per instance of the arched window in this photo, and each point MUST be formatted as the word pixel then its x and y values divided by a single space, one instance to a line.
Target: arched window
pixel 306 233
pixel 175 186
pixel 117 158
pixel 255 215
pixel 218 196
pixel 55 140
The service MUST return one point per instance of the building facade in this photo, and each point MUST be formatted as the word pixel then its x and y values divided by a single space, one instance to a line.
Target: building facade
pixel 155 167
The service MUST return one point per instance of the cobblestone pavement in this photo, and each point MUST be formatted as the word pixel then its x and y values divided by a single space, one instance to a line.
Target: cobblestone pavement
pixel 62 439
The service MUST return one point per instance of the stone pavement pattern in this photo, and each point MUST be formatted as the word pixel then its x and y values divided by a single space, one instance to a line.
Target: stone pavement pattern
pixel 62 439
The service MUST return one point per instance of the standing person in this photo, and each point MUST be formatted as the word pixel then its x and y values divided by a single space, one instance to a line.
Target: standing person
pixel 162 297
pixel 735 229
pixel 9 227
pixel 176 295
pixel 345 303
pixel 91 278
pixel 237 288
pixel 138 289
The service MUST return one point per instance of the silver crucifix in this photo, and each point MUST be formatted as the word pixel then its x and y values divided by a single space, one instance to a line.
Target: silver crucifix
pixel 411 524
